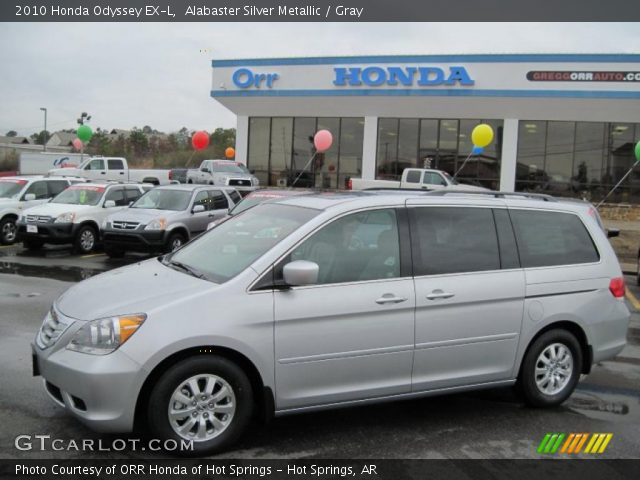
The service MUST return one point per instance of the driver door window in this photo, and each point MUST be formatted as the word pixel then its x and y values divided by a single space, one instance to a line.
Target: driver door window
pixel 358 247
pixel 433 179
pixel 39 189
pixel 117 195
pixel 96 164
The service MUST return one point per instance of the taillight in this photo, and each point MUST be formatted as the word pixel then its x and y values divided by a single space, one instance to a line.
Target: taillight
pixel 616 286
pixel 170 174
pixel 349 185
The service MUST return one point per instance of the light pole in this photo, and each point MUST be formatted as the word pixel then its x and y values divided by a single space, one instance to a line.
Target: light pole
pixel 44 141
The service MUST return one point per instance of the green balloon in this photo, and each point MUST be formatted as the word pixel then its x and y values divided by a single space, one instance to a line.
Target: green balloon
pixel 638 151
pixel 84 133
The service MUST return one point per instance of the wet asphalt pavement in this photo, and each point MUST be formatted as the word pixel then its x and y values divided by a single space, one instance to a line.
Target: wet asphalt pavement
pixel 488 424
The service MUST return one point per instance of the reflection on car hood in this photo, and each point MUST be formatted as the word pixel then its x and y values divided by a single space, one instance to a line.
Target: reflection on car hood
pixel 55 209
pixel 137 288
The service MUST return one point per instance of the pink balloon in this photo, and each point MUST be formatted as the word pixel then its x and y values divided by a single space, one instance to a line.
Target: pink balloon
pixel 323 140
pixel 77 143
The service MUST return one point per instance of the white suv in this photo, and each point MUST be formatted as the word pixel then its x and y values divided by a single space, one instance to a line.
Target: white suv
pixel 20 193
pixel 75 215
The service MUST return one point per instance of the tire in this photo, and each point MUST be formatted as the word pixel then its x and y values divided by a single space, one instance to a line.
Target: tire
pixel 233 413
pixel 175 241
pixel 86 239
pixel 8 231
pixel 566 369
pixel 32 244
pixel 114 252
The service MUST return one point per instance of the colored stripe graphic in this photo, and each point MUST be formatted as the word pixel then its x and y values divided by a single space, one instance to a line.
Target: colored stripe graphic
pixel 573 443
pixel 551 442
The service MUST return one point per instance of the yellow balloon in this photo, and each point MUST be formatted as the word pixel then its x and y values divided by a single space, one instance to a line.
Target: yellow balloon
pixel 482 135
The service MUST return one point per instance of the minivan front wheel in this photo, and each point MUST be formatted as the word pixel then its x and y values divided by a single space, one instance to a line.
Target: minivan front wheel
pixel 551 369
pixel 206 399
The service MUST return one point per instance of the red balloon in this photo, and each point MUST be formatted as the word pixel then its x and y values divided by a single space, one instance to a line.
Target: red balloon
pixel 200 140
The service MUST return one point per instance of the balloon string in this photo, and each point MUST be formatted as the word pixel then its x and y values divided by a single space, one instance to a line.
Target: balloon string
pixel 462 166
pixel 305 167
pixel 618 184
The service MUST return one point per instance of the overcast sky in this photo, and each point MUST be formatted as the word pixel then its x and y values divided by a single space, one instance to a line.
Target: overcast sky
pixel 136 74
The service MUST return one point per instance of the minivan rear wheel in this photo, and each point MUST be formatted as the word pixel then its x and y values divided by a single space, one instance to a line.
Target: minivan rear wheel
pixel 205 399
pixel 551 369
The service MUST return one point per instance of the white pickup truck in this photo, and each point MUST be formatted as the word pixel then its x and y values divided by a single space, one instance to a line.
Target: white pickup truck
pixel 224 173
pixel 112 169
pixel 414 178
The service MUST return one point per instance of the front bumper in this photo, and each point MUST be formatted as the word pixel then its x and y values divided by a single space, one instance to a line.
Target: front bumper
pixel 56 233
pixel 100 390
pixel 134 240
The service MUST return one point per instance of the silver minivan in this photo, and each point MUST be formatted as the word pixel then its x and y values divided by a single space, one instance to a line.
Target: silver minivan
pixel 337 299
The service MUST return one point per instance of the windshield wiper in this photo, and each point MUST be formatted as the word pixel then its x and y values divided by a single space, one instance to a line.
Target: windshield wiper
pixel 186 268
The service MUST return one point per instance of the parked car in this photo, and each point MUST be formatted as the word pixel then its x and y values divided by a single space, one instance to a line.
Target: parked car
pixel 115 169
pixel 165 218
pixel 75 215
pixel 224 173
pixel 20 193
pixel 319 301
pixel 414 178
pixel 256 197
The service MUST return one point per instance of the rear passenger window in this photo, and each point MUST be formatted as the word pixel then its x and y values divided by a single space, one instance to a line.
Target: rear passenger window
pixel 413 176
pixel 453 240
pixel 115 164
pixel 218 200
pixel 552 238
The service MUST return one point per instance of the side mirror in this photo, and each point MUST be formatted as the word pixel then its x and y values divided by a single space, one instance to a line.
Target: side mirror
pixel 613 232
pixel 198 209
pixel 301 272
pixel 29 196
pixel 109 204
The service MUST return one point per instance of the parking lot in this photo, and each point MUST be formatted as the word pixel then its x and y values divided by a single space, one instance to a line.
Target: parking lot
pixel 489 424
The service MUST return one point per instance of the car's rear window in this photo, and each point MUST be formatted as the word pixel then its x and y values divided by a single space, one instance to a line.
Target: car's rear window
pixel 552 238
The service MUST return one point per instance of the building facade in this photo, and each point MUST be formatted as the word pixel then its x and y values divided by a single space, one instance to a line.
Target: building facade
pixel 563 124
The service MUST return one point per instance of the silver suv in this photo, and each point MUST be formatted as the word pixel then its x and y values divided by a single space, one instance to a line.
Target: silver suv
pixel 165 218
pixel 319 301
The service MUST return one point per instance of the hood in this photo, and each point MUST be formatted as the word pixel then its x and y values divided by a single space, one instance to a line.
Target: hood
pixel 137 288
pixel 55 209
pixel 142 215
pixel 5 200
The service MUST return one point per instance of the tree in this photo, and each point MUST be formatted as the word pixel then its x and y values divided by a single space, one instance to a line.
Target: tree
pixel 99 143
pixel 12 133
pixel 138 142
pixel 41 138
pixel 220 139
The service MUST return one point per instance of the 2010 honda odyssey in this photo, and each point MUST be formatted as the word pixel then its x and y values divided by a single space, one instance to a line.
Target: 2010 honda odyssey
pixel 333 299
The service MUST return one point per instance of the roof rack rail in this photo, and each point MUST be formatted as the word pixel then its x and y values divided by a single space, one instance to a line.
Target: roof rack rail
pixel 536 196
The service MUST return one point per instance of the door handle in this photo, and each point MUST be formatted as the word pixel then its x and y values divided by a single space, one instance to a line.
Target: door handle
pixel 439 294
pixel 390 298
pixel 103 173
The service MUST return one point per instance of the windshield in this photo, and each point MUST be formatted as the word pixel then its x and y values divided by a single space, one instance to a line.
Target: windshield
pixel 10 188
pixel 228 249
pixel 164 200
pixel 229 168
pixel 450 178
pixel 80 195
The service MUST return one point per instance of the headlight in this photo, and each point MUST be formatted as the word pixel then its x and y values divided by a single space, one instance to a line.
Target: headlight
pixel 157 224
pixel 65 218
pixel 103 336
pixel 255 181
pixel 224 180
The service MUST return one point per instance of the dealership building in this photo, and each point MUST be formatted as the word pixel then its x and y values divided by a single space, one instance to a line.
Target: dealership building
pixel 564 124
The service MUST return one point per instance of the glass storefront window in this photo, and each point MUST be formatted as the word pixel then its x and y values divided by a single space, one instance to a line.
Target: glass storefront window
pixel 281 150
pixel 578 159
pixel 442 144
pixel 258 157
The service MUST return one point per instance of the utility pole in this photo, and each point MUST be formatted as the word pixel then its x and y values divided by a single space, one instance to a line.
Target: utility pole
pixel 44 141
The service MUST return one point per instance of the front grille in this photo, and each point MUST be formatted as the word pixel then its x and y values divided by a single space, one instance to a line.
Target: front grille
pixel 239 183
pixel 38 219
pixel 121 225
pixel 116 237
pixel 52 327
